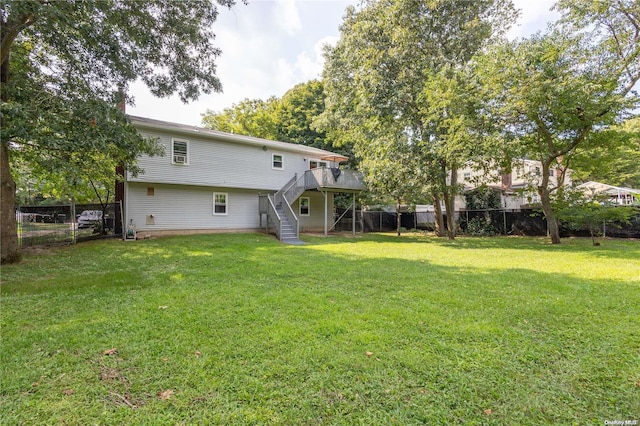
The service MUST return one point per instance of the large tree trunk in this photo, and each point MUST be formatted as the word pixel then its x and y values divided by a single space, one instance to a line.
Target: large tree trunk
pixel 545 199
pixel 552 221
pixel 440 228
pixel 449 204
pixel 8 231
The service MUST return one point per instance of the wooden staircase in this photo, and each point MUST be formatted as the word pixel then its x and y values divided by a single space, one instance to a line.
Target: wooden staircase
pixel 288 233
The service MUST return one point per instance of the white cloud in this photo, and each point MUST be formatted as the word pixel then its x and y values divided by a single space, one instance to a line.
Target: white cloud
pixel 534 16
pixel 287 17
pixel 270 46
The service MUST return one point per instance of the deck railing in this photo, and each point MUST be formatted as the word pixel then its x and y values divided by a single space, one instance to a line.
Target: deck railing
pixel 328 178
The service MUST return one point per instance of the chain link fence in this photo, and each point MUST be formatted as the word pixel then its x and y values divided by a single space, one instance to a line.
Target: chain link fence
pixel 525 222
pixel 64 224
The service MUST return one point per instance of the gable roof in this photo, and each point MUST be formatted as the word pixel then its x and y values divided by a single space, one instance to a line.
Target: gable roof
pixel 203 133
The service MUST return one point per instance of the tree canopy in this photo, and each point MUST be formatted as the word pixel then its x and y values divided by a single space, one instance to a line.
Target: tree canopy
pixel 399 67
pixel 555 92
pixel 287 119
pixel 63 65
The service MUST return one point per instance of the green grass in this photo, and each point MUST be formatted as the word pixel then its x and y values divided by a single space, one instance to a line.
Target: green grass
pixel 257 332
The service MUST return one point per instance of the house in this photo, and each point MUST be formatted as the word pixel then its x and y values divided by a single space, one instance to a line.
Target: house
pixel 517 188
pixel 613 194
pixel 211 181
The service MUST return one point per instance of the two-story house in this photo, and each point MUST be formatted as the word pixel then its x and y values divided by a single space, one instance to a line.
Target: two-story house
pixel 211 181
pixel 517 188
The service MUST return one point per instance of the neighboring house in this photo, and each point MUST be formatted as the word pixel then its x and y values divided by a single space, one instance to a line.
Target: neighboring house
pixel 211 181
pixel 517 189
pixel 614 194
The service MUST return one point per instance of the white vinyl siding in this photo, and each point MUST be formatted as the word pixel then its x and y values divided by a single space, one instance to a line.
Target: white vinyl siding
pixel 315 221
pixel 220 164
pixel 179 151
pixel 180 207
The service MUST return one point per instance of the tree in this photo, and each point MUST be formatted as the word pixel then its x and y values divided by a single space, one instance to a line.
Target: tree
pixel 611 156
pixel 297 110
pixel 389 168
pixel 251 117
pixel 63 64
pixel 555 91
pixel 287 119
pixel 380 75
pixel 582 212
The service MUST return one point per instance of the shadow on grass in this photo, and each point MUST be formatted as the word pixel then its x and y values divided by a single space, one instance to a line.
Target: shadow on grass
pixel 609 248
pixel 282 334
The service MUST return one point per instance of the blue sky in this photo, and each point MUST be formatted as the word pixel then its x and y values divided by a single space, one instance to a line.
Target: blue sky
pixel 268 46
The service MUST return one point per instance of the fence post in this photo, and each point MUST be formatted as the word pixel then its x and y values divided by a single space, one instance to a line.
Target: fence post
pixel 504 220
pixel 19 225
pixel 73 221
pixel 122 227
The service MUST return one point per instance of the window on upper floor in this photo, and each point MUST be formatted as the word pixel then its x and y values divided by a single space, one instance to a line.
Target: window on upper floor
pixel 179 151
pixel 537 171
pixel 277 162
pixel 467 175
pixel 551 172
pixel 314 164
pixel 220 203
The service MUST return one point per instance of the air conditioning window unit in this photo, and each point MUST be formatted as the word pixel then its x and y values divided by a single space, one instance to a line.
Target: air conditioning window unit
pixel 180 159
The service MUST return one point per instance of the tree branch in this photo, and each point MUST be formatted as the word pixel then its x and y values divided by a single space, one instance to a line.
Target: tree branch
pixel 11 31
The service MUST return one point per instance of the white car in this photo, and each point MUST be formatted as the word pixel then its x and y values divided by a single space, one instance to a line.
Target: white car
pixel 89 218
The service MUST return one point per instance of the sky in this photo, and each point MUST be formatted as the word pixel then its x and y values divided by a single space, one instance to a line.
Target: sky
pixel 269 46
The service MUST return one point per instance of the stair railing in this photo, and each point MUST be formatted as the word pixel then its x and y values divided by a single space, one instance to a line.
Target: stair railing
pixel 281 198
pixel 295 190
pixel 272 214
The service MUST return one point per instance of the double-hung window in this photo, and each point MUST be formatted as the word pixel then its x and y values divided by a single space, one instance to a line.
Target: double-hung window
pixel 179 151
pixel 220 203
pixel 277 162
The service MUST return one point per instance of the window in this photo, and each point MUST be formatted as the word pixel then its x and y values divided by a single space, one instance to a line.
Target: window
pixel 304 206
pixel 551 172
pixel 179 151
pixel 537 171
pixel 219 203
pixel 277 162
pixel 467 175
pixel 314 164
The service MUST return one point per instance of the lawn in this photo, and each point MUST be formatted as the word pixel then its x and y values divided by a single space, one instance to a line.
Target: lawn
pixel 240 329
